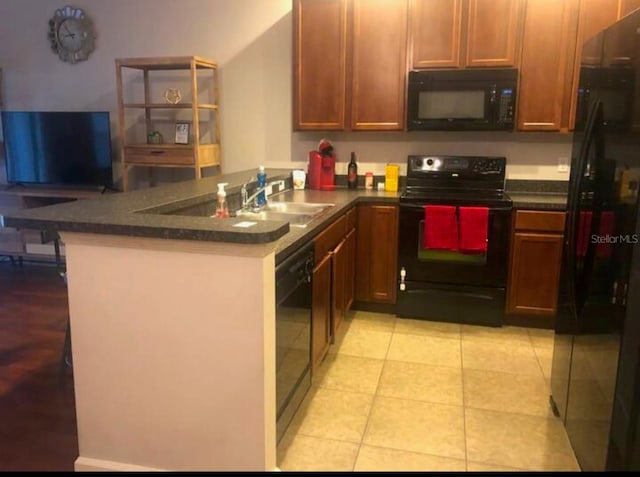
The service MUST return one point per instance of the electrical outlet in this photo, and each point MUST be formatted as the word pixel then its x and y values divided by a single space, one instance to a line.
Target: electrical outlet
pixel 563 164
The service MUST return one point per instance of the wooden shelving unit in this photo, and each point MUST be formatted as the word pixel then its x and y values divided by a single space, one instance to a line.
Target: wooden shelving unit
pixel 203 149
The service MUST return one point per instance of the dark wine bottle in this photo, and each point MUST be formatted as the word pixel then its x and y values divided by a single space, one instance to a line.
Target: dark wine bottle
pixel 352 172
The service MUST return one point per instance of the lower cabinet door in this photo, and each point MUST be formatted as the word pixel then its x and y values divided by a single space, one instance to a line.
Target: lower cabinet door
pixel 321 311
pixel 534 274
pixel 338 275
pixel 384 253
pixel 350 275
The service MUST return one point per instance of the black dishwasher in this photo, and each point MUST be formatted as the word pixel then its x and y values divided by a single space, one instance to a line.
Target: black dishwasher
pixel 293 334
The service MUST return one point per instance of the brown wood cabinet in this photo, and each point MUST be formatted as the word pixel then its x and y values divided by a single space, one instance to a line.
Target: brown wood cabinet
pixel 338 286
pixel 349 64
pixel 492 33
pixel 553 35
pixel 628 6
pixel 321 311
pixel 333 285
pixel 457 33
pixel 349 294
pixel 376 253
pixel 379 64
pixel 535 262
pixel 545 70
pixel 435 33
pixel 320 67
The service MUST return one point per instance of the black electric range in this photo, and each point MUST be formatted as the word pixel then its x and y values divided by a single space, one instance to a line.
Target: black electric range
pixel 445 285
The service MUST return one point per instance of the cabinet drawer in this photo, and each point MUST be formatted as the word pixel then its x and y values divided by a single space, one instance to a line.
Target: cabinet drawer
pixel 159 155
pixel 540 220
pixel 351 219
pixel 330 237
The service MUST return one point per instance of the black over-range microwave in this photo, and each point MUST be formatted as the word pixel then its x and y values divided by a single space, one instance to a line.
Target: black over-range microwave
pixel 462 100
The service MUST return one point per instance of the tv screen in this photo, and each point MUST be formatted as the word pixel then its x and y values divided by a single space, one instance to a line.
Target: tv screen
pixel 64 148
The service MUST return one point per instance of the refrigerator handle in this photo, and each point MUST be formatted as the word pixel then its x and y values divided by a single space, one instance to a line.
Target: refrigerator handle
pixel 576 283
pixel 597 142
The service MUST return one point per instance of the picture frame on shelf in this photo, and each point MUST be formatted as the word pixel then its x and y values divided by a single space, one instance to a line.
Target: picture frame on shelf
pixel 182 133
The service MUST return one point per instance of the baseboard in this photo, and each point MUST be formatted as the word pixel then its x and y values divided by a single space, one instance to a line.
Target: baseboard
pixel 531 321
pixel 87 464
pixel 389 308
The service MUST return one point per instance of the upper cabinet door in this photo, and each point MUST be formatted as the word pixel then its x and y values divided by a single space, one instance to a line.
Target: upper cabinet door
pixel 543 66
pixel 492 32
pixel 627 6
pixel 435 33
pixel 379 64
pixel 320 36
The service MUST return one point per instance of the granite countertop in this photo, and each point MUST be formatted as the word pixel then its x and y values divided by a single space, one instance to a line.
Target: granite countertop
pixel 538 200
pixel 538 194
pixel 143 213
pixel 120 214
pixel 140 213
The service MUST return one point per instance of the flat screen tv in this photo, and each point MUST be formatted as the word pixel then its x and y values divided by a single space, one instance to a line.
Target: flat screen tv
pixel 61 148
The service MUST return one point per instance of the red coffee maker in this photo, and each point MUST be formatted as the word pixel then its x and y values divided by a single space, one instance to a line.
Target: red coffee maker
pixel 322 167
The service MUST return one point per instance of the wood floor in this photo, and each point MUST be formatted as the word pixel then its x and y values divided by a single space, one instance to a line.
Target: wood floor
pixel 37 408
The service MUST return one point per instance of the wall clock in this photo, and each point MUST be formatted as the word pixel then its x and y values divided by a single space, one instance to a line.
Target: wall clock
pixel 71 34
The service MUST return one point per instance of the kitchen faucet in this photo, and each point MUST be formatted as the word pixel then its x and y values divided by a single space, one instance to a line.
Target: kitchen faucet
pixel 248 201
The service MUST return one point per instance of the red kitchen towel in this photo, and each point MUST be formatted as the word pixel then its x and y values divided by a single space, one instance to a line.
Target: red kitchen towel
pixel 603 250
pixel 474 223
pixel 584 227
pixel 440 227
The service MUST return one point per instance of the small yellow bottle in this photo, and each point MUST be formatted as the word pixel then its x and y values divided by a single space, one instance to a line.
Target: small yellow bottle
pixel 623 189
pixel 392 171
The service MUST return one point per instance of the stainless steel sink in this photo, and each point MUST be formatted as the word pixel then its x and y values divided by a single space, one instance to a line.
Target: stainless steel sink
pixel 296 207
pixel 298 214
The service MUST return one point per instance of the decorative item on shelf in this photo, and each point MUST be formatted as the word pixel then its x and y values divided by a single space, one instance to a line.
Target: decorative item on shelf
pixel 172 95
pixel 182 133
pixel 154 137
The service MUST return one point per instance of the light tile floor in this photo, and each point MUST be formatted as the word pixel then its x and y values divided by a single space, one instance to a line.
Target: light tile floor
pixel 400 394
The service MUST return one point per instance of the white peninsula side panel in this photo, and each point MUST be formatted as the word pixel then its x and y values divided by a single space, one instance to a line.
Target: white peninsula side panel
pixel 173 353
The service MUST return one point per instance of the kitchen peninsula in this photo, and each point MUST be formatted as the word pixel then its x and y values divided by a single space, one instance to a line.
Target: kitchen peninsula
pixel 173 324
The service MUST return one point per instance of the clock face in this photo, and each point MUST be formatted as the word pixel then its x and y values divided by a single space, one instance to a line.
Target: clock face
pixel 71 34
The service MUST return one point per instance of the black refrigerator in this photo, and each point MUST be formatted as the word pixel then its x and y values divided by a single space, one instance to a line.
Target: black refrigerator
pixel 595 377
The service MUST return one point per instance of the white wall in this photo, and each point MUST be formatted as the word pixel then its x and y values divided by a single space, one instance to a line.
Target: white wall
pixel 529 155
pixel 251 40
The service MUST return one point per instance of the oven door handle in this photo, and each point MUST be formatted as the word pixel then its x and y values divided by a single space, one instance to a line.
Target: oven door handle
pixel 491 209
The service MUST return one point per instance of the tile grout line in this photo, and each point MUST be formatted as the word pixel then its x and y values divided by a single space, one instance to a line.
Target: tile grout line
pixel 464 407
pixel 544 377
pixel 375 395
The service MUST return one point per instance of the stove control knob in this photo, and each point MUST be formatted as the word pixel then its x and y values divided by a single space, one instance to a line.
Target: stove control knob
pixel 419 163
pixel 429 162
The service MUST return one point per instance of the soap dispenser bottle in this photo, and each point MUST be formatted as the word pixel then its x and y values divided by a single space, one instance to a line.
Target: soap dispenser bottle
pixel 221 208
pixel 261 199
